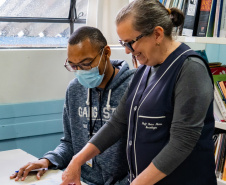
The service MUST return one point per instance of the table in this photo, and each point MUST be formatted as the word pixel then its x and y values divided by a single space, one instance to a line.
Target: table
pixel 12 160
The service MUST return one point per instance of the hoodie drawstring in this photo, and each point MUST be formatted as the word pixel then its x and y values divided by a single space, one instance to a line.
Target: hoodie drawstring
pixel 108 101
pixel 88 94
pixel 89 103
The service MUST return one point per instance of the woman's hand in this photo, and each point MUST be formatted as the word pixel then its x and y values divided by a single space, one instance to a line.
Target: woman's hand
pixel 24 170
pixel 72 174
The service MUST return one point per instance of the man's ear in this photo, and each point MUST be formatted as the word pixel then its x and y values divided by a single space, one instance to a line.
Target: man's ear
pixel 159 34
pixel 107 51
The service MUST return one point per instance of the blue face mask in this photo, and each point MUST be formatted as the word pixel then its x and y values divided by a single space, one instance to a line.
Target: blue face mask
pixel 90 78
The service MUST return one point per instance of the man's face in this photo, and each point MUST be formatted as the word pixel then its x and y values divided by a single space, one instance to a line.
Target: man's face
pixel 85 55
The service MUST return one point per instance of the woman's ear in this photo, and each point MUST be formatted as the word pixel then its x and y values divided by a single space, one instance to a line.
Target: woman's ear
pixel 159 34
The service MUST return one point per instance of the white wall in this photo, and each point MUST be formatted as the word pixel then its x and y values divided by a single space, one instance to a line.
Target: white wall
pixel 29 75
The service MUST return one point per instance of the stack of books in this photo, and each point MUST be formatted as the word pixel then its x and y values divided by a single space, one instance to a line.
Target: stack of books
pixel 220 152
pixel 219 77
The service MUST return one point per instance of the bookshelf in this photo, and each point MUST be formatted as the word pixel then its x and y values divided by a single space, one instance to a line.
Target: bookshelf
pixel 203 43
pixel 200 43
pixel 201 40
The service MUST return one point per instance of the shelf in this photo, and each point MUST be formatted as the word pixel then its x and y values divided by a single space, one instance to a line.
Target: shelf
pixel 221 182
pixel 220 125
pixel 206 40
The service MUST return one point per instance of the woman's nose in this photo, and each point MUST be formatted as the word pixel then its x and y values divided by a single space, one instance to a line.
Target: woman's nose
pixel 127 50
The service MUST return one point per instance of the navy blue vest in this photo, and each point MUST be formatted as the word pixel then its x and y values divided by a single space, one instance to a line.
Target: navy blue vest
pixel 149 112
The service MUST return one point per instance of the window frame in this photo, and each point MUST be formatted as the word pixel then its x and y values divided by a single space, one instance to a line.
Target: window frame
pixel 72 19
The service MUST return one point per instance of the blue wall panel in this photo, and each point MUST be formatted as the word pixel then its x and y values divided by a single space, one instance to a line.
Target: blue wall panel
pixel 216 53
pixel 35 145
pixel 34 127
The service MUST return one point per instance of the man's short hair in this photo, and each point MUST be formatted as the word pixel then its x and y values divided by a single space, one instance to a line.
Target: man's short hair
pixel 95 36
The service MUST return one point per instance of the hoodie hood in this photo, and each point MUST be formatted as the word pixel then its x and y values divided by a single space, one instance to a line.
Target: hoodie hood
pixel 123 74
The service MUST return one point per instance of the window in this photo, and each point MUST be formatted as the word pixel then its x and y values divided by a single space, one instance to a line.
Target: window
pixel 39 23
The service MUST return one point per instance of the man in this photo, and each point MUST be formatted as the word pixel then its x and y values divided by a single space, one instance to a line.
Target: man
pixel 90 100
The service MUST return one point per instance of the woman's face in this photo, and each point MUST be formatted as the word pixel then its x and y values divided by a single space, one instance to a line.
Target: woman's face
pixel 144 49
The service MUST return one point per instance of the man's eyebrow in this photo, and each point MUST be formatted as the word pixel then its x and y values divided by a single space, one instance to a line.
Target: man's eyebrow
pixel 82 60
pixel 88 58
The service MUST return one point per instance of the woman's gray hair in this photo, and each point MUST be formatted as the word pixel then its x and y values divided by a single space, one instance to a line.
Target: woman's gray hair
pixel 147 14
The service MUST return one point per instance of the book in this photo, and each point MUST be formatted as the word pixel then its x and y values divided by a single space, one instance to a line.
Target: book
pixel 164 3
pixel 220 103
pixel 205 9
pixel 223 89
pixel 184 10
pixel 217 70
pixel 167 3
pixel 210 26
pixel 221 156
pixel 171 4
pixel 223 20
pixel 191 18
pixel 224 171
pixel 217 21
pixel 216 154
pixel 217 114
pixel 215 64
pixel 218 96
pixel 220 18
pixel 180 5
pixel 215 140
pixel 175 3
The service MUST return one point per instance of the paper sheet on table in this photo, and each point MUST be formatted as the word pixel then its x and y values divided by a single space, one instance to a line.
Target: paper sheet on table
pixel 12 160
pixel 45 182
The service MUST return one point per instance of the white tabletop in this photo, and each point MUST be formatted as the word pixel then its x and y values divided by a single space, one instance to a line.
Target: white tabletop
pixel 12 160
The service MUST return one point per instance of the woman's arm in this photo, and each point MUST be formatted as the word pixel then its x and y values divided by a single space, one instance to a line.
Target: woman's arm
pixel 192 97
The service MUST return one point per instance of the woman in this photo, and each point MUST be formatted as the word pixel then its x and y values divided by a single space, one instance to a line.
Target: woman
pixel 167 111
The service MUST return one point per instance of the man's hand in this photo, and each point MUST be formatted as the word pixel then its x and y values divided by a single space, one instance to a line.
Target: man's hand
pixel 24 170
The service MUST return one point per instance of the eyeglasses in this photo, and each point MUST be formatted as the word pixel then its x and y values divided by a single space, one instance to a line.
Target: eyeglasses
pixel 70 66
pixel 129 44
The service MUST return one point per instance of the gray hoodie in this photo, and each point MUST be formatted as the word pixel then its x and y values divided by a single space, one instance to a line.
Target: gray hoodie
pixel 110 167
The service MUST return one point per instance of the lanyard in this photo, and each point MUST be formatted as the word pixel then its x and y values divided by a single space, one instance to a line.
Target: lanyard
pixel 91 127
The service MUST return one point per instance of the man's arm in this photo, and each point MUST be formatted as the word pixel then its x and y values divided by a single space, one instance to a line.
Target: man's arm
pixel 63 153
